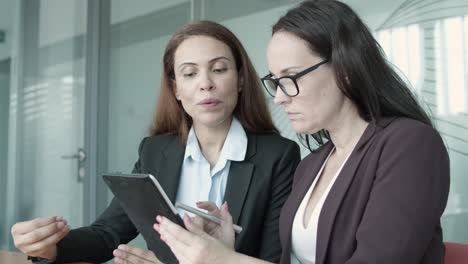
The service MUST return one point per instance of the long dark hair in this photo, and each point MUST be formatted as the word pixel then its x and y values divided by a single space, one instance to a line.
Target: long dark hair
pixel 251 109
pixel 335 32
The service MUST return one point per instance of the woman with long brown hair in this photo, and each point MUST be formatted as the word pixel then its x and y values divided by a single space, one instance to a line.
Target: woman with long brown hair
pixel 212 139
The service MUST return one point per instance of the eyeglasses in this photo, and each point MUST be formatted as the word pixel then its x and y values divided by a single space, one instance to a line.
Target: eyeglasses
pixel 288 83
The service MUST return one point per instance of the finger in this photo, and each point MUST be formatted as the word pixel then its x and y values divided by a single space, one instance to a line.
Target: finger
pixel 209 206
pixel 225 215
pixel 177 247
pixel 119 260
pixel 199 221
pixel 137 259
pixel 209 226
pixel 193 227
pixel 168 228
pixel 41 233
pixel 121 257
pixel 139 252
pixel 48 241
pixel 28 226
pixel 226 226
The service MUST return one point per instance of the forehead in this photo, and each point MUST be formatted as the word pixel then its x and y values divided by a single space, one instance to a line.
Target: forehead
pixel 286 49
pixel 200 49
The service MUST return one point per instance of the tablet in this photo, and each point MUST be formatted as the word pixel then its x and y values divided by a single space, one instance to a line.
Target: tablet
pixel 142 198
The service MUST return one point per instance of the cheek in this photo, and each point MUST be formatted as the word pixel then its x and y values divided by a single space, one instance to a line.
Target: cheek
pixel 231 100
pixel 231 94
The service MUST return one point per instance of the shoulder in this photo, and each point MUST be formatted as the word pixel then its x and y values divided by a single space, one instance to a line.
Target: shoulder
pixel 157 142
pixel 272 148
pixel 409 131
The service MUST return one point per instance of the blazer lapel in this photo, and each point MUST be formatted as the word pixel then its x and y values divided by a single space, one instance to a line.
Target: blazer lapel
pixel 240 175
pixel 300 189
pixel 170 165
pixel 236 189
pixel 337 193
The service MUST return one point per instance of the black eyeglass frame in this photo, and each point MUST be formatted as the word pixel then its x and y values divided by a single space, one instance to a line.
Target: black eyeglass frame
pixel 293 78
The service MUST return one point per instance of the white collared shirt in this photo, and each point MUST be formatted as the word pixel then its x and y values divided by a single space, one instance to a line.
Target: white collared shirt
pixel 199 182
pixel 304 238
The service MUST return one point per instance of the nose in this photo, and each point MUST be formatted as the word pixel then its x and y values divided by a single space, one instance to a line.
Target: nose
pixel 280 97
pixel 206 83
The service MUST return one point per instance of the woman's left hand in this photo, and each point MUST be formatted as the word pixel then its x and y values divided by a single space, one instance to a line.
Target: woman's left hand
pixel 126 254
pixel 193 246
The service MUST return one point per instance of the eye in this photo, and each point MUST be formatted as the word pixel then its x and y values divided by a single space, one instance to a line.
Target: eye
pixel 220 70
pixel 189 74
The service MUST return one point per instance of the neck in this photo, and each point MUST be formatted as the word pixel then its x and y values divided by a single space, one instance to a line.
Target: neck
pixel 347 129
pixel 211 139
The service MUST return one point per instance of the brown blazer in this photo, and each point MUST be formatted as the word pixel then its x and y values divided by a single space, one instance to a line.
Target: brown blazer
pixel 386 204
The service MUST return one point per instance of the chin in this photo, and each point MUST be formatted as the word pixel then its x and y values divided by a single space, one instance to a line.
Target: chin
pixel 301 129
pixel 213 122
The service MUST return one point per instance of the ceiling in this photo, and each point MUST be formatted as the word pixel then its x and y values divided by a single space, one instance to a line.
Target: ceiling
pixel 374 13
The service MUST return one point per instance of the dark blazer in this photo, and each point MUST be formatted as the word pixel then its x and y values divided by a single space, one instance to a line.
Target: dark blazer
pixel 256 190
pixel 385 205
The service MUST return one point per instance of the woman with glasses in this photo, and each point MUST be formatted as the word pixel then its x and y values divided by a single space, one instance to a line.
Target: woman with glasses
pixel 374 189
pixel 212 139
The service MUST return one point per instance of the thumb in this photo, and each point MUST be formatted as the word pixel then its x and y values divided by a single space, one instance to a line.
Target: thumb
pixel 192 227
pixel 226 216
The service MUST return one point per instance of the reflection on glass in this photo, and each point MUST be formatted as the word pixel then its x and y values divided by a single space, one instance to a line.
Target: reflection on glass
pixel 433 54
pixel 453 29
pixel 414 56
pixel 403 48
pixel 441 92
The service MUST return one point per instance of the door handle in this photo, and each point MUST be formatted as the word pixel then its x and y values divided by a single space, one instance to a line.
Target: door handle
pixel 80 157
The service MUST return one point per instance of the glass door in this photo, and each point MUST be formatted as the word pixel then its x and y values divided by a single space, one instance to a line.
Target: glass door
pixel 46 159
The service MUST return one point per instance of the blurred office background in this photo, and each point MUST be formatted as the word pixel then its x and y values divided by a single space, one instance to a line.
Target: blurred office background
pixel 79 81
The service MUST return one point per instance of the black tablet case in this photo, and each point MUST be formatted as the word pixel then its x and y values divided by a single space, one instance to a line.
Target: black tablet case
pixel 142 202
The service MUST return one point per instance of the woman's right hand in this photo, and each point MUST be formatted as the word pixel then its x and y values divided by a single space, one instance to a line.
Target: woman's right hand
pixel 223 232
pixel 193 245
pixel 39 237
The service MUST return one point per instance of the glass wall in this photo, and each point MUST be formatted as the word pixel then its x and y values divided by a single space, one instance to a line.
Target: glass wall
pixel 4 105
pixel 6 26
pixel 42 113
pixel 428 42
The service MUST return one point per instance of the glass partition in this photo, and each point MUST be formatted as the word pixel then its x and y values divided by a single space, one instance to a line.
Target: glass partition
pixel 428 42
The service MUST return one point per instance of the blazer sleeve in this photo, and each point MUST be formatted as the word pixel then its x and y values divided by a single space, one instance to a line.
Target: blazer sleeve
pixel 270 249
pixel 96 242
pixel 408 197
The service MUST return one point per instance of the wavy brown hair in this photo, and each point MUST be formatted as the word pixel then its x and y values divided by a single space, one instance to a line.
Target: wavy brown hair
pixel 251 109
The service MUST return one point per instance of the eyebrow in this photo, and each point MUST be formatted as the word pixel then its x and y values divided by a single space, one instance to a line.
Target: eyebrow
pixel 286 70
pixel 210 61
pixel 283 71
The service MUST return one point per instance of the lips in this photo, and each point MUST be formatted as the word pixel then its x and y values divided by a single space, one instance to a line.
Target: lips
pixel 209 101
pixel 292 115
